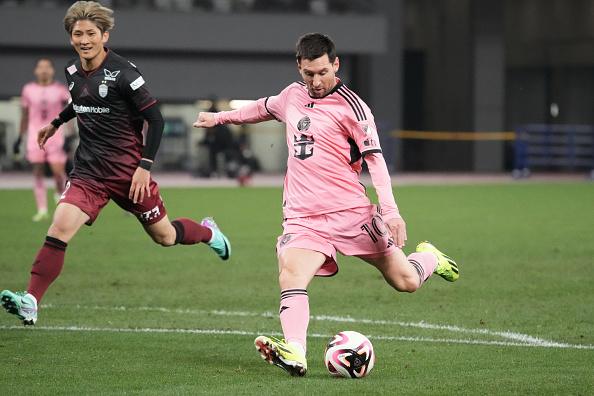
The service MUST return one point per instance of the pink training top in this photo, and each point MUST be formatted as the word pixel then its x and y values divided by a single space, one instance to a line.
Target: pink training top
pixel 326 138
pixel 44 103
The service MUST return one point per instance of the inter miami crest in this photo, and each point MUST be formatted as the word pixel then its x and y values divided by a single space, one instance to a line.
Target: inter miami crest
pixel 303 124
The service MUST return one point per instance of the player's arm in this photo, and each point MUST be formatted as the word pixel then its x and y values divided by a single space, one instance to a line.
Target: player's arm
pixel 250 113
pixel 364 132
pixel 141 178
pixel 380 178
pixel 50 129
pixel 16 147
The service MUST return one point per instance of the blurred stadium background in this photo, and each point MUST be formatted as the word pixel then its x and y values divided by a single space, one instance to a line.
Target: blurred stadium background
pixel 466 86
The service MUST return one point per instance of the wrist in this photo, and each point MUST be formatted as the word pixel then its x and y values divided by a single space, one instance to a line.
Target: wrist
pixel 145 164
pixel 57 122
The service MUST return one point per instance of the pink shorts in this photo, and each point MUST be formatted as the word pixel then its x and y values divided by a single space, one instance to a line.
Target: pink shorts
pixel 91 196
pixel 357 232
pixel 53 152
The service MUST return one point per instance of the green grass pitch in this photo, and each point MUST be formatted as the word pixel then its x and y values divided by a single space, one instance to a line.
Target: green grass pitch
pixel 129 317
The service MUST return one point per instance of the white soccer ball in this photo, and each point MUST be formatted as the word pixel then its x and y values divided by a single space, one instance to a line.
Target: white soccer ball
pixel 349 354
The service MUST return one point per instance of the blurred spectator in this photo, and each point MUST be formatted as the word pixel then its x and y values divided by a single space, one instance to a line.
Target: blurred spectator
pixel 219 142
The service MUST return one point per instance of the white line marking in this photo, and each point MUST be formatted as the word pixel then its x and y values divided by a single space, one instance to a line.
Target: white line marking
pixel 315 335
pixel 508 335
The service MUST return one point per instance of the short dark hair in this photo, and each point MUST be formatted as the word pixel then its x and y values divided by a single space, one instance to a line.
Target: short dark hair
pixel 311 46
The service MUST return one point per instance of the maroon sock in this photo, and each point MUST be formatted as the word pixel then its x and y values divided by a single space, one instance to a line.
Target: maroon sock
pixel 189 232
pixel 47 266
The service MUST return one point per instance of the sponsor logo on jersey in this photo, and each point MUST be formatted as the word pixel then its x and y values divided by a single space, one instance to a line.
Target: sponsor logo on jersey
pixel 71 86
pixel 110 75
pixel 303 124
pixel 91 109
pixel 71 69
pixel 139 82
pixel 303 146
pixel 103 90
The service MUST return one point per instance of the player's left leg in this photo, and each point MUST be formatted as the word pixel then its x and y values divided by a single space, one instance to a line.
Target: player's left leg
pixel 152 215
pixel 297 267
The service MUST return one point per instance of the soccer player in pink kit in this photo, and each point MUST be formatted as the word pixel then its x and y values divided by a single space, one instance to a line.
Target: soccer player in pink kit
pixel 41 101
pixel 111 102
pixel 329 130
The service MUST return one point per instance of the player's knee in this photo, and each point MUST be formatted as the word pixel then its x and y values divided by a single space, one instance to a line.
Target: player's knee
pixel 164 240
pixel 287 276
pixel 405 284
pixel 60 231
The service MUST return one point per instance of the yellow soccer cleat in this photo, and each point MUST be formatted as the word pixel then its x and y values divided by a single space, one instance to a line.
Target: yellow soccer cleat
pixel 282 354
pixel 446 267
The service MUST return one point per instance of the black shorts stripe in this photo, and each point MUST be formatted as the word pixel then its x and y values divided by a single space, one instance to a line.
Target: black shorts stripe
pixel 354 102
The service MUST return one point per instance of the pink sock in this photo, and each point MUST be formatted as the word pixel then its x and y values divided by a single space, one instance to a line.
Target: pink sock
pixel 294 315
pixel 424 263
pixel 40 193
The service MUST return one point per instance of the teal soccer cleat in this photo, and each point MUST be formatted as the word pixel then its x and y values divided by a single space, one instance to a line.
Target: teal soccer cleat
pixel 219 242
pixel 21 304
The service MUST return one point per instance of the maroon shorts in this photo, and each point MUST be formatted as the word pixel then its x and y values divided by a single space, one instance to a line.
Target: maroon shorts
pixel 91 196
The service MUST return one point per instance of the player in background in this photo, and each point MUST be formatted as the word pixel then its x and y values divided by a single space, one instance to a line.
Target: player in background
pixel 41 101
pixel 329 130
pixel 111 102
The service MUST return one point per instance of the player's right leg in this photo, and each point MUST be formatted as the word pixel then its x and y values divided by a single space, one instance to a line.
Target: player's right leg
pixel 39 192
pixel 47 265
pixel 297 267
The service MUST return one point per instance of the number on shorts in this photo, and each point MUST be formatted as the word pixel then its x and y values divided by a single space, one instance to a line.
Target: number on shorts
pixel 375 230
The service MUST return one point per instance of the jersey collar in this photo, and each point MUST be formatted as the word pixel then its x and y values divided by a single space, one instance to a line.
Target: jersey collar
pixel 91 72
pixel 338 85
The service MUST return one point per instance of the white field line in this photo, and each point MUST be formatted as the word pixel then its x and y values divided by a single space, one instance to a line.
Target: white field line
pixel 315 335
pixel 518 338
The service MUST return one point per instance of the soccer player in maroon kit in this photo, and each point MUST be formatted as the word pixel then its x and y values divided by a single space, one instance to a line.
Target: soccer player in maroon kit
pixel 111 102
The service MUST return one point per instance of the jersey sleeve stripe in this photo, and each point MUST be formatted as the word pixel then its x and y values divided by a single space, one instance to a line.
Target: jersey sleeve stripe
pixel 355 100
pixel 148 105
pixel 364 153
pixel 267 109
pixel 350 102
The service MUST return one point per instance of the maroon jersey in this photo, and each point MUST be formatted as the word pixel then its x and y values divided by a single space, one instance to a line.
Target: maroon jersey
pixel 108 102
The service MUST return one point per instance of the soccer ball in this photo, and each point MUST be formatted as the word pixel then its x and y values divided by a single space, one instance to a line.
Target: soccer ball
pixel 349 354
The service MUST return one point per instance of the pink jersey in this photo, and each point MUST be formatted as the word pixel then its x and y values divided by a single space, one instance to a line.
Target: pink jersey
pixel 327 139
pixel 44 103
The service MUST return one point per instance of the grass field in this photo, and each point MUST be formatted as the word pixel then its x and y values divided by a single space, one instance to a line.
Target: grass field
pixel 127 316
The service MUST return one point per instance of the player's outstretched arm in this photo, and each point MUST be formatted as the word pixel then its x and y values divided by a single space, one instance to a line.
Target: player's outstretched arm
pixel 205 120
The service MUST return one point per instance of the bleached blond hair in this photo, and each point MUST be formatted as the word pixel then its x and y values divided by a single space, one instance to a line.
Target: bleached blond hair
pixel 100 15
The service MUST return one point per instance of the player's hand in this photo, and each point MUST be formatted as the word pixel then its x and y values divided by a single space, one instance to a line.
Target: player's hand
pixel 398 229
pixel 16 147
pixel 140 185
pixel 205 120
pixel 44 134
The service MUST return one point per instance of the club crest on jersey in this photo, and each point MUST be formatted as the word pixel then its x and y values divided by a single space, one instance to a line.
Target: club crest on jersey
pixel 103 90
pixel 366 129
pixel 110 75
pixel 303 124
pixel 303 146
